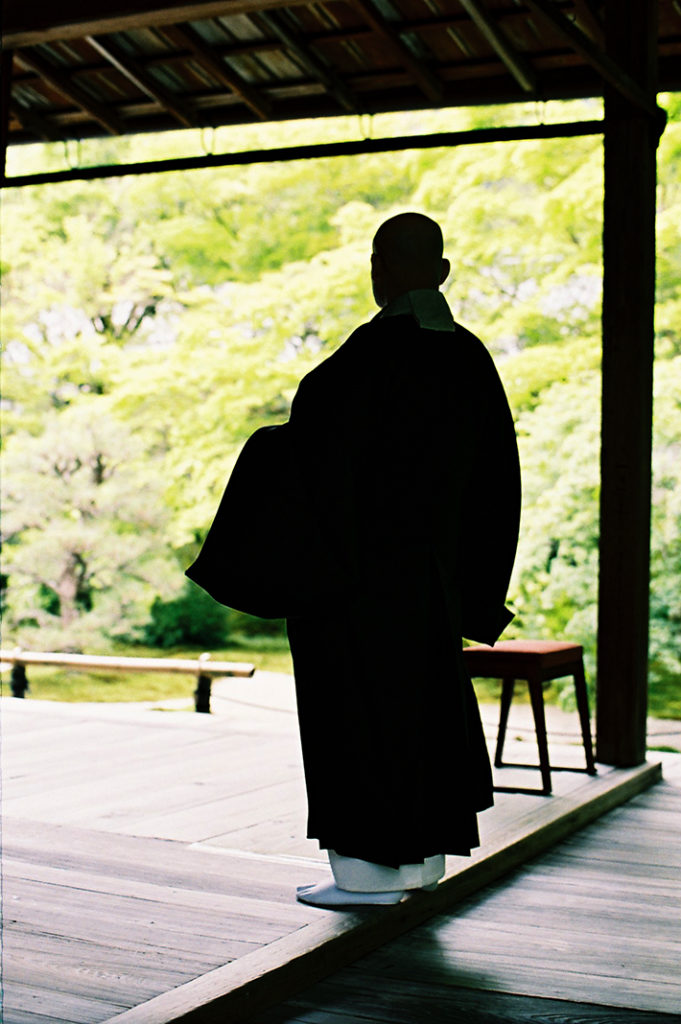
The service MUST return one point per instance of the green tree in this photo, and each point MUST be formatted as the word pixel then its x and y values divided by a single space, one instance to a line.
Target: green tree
pixel 83 522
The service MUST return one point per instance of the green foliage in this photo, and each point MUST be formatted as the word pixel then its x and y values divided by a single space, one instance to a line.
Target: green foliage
pixel 665 593
pixel 151 324
pixel 82 514
pixel 191 618
pixel 554 588
pixel 527 375
pixel 523 225
pixel 255 633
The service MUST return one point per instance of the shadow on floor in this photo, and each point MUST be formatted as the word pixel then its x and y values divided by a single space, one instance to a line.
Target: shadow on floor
pixel 422 986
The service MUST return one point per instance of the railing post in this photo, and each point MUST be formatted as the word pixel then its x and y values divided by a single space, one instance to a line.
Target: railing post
pixel 203 686
pixel 18 678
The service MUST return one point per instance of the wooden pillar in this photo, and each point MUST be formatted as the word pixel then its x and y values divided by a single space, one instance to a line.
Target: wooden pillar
pixel 631 137
pixel 6 61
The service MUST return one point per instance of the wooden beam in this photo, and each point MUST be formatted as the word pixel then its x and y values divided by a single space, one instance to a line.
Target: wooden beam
pixel 521 69
pixel 189 38
pixel 611 70
pixel 69 90
pixel 628 305
pixel 298 46
pixel 131 70
pixel 44 21
pixel 423 76
pixel 316 150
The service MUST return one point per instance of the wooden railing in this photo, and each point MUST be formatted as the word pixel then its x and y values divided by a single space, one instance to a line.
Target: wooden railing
pixel 202 667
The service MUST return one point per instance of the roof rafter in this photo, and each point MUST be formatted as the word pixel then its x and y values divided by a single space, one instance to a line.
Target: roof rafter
pixel 608 68
pixel 521 69
pixel 426 80
pixel 38 22
pixel 70 91
pixel 190 39
pixel 128 67
pixel 333 84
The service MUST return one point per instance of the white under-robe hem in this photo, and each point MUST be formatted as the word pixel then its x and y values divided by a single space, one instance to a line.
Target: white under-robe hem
pixel 354 875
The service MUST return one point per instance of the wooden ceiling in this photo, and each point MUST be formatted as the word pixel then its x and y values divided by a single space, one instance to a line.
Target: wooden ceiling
pixel 80 68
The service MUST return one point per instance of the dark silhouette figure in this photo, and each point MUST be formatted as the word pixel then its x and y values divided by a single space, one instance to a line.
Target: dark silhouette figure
pixel 382 522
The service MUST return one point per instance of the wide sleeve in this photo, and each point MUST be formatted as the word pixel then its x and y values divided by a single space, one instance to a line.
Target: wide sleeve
pixel 263 553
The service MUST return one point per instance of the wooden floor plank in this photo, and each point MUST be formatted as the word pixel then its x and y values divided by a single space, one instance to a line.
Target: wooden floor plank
pixel 71 953
pixel 208 818
pixel 532 897
pixel 161 862
pixel 20 998
pixel 88 885
pixel 470 930
pixel 569 864
pixel 82 912
pixel 95 980
pixel 565 963
pixel 93 801
pixel 130 800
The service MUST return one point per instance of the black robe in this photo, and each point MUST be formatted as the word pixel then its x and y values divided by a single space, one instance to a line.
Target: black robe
pixel 393 537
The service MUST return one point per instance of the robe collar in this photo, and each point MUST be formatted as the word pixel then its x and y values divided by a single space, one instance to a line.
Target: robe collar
pixel 428 306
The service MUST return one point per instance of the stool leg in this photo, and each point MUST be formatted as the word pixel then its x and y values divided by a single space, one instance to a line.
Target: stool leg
pixel 583 709
pixel 507 686
pixel 537 699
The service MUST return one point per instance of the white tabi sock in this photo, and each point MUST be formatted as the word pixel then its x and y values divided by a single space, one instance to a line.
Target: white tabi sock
pixel 327 894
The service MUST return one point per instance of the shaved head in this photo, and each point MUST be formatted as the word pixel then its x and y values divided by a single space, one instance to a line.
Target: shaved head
pixel 406 255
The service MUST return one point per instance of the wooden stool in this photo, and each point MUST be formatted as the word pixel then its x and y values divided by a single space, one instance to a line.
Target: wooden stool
pixel 537 661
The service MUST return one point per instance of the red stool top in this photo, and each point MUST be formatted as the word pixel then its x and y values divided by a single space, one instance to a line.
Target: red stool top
pixel 517 653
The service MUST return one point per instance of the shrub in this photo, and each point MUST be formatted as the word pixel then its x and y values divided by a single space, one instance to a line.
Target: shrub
pixel 193 618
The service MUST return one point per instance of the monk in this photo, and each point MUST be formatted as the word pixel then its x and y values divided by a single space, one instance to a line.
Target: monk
pixel 402 510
